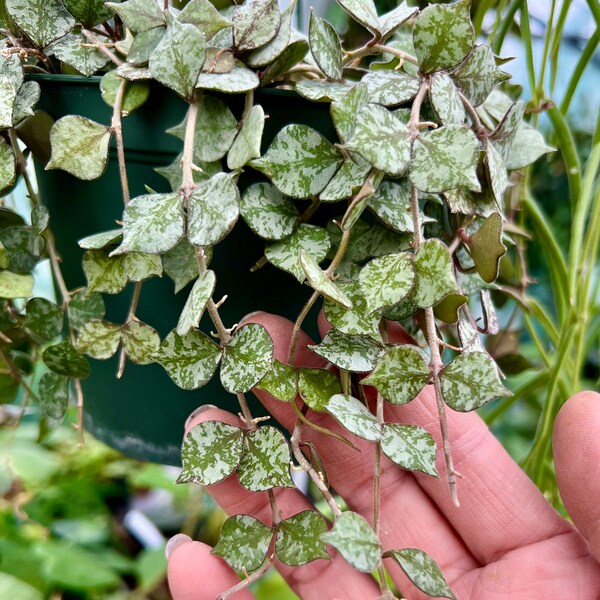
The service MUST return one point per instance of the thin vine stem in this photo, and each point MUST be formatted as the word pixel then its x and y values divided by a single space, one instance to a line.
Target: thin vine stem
pixel 248 580
pixel 102 47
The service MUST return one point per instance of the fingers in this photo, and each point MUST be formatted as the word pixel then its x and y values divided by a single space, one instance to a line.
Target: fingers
pixel 577 458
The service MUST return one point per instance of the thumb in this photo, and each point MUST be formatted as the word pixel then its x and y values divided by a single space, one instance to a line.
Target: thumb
pixel 576 443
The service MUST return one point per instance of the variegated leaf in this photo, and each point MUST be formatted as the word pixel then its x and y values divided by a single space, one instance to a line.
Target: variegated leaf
pixel 194 307
pixel 280 382
pixel 99 339
pixel 323 91
pixel 8 167
pixel 44 318
pixel 143 46
pixel 54 396
pixel 255 24
pixel 140 266
pixel 390 88
pixel 355 353
pixel 350 177
pixel 325 47
pixel 528 145
pixel 410 447
pixel 181 264
pixel 435 273
pixel 237 81
pixel 343 111
pixel 136 92
pixel 84 59
pixel 64 359
pixel 204 15
pixel 319 280
pixel 8 96
pixel 271 51
pixel 445 100
pixel 290 57
pixel 104 274
pixel 98 241
pixel 299 539
pixel 43 21
pixel 14 285
pixel 84 307
pixel 139 15
pixel 246 145
pixel 391 203
pixel 140 342
pixel 88 12
pixel 26 101
pixel 496 172
pixel 316 386
pixel 353 415
pixel 390 21
pixel 362 11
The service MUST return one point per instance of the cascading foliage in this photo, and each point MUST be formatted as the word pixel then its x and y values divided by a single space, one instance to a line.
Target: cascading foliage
pixel 419 174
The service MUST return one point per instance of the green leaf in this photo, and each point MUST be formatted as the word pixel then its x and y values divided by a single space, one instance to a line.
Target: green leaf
pixel 85 307
pixel 255 24
pixel 410 447
pixel 23 248
pixel 140 266
pixel 139 15
pixel 320 281
pixel 266 460
pixel 496 172
pixel 362 11
pixel 271 51
pixel 355 353
pixel 238 81
pixel 54 396
pixel 211 452
pixel 445 159
pixel 194 307
pixel 143 46
pixel 354 416
pixel 174 175
pixel 316 386
pixel 510 122
pixel 401 374
pixel 64 359
pixel 13 285
pixel 423 571
pixel 386 280
pixel 26 100
pixel 99 339
pixel 136 92
pixel 43 21
pixel 343 111
pixel 88 12
pixel 8 96
pixel 478 75
pixel 285 254
pixel 290 57
pixel 213 210
pixel 396 17
pixel 299 161
pixel 390 88
pixel 323 91
pixel 153 223
pixel 204 15
pixel 131 73
pixel 486 247
pixel 391 203
pixel 527 147
pixel 13 587
pixel 443 35
pixel 8 166
pixel 44 318
pixel 140 342
pixel 246 145
pixel 104 274
pixel 354 539
pixel 299 539
pixel 470 381
pixel 177 60
pixel 84 59
pixel 435 274
pixel 382 138
pixel 247 358
pixel 244 542
pixel 98 241
pixel 448 309
pixel 280 381
pixel 11 68
pixel 325 47
pixel 268 212
pixel 445 100
pixel 351 175
pixel 79 146
pixel 190 360
pixel 181 265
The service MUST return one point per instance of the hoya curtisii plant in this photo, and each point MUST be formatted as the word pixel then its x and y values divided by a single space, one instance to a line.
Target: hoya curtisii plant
pixel 418 175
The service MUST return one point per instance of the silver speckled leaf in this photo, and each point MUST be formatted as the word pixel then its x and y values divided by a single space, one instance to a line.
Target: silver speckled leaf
pixel 299 538
pixel 200 294
pixel 325 47
pixel 255 24
pixel 43 21
pixel 354 353
pixel 445 100
pixel 354 416
pixel 410 447
pixel 435 273
pixel 390 88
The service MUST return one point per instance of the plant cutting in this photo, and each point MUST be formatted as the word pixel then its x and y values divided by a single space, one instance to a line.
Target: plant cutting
pixel 416 177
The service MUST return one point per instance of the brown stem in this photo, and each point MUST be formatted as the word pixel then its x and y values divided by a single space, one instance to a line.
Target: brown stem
pixel 274 508
pixel 187 162
pixel 117 128
pixel 378 49
pixel 480 131
pixel 248 580
pixel 298 326
pixel 102 47
pixel 135 299
pixel 79 425
pixel 246 414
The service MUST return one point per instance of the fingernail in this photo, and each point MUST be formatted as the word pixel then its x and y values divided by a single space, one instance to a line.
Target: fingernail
pixel 176 540
pixel 197 412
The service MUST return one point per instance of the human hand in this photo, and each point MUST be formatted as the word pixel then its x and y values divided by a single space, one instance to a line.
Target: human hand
pixel 504 542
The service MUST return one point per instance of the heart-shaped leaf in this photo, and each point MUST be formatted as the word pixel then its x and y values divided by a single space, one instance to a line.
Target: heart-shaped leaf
pixel 410 447
pixel 196 303
pixel 317 386
pixel 99 339
pixel 391 203
pixel 445 100
pixel 271 51
pixel 355 353
pixel 139 15
pixel 64 359
pixel 54 396
pixel 88 12
pixel 140 342
pixel 204 15
pixel 104 274
pixel 43 21
pixel 82 58
pixel 85 307
pixel 435 273
pixel 299 539
pixel 255 24
pixel 390 88
pixel 354 416
pixel 486 247
pixel 320 281
pixel 237 81
pixel 350 177
pixel 343 111
pixel 280 382
pixel 325 47
pixel 181 264
pixel 44 318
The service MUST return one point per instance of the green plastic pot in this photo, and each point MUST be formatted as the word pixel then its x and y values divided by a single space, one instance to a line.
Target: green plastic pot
pixel 143 413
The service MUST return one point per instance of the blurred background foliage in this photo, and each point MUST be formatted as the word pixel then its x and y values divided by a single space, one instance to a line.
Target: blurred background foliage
pixel 88 523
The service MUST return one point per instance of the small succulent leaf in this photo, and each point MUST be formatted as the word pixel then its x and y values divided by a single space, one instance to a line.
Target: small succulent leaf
pixel 445 159
pixel 153 223
pixel 22 247
pixel 54 396
pixel 8 96
pixel 104 274
pixel 468 202
pixel 136 92
pixel 445 100
pixel 391 203
pixel 478 75
pixel 268 212
pixel 204 15
pixel 191 360
pixel 291 56
pixel 443 35
pixel 343 112
pixel 275 48
pixel 309 450
pixel 364 12
pixel 470 381
pixel 244 542
pixel 247 358
pixel 405 309
pixel 386 280
pixel 79 146
pixel 84 307
pixel 280 382
pixel 361 201
pixel 390 21
pixel 448 309
pixel 255 24
pixel 84 59
pixel 140 342
pixel 390 88
pixel 181 265
pixel 469 337
pixel 354 539
pixel 435 273
pixel 401 374
pixel 237 81
pixel 316 386
pixel 213 210
pixel 43 21
pixel 423 571
pixel 246 145
pixel 410 447
pixel 320 281
pixel 64 359
pixel 266 460
pixel 350 175
pixel 285 254
pixel 219 60
pixel 139 266
pixel 44 318
pixel 299 539
pixel 8 166
pixel 211 452
pixel 132 73
pixel 382 138
pixel 174 175
pixel 354 416
pixel 26 100
pixel 98 241
pixel 489 311
pixel 323 91
pixel 98 339
pixel 496 172
pixel 200 294
pixel 139 15
pixel 11 69
pixel 143 46
pixel 510 122
pixel 354 353
pixel 325 47
pixel 15 285
pixel 486 247
pixel 528 145
pixel 299 161
pixel 88 12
